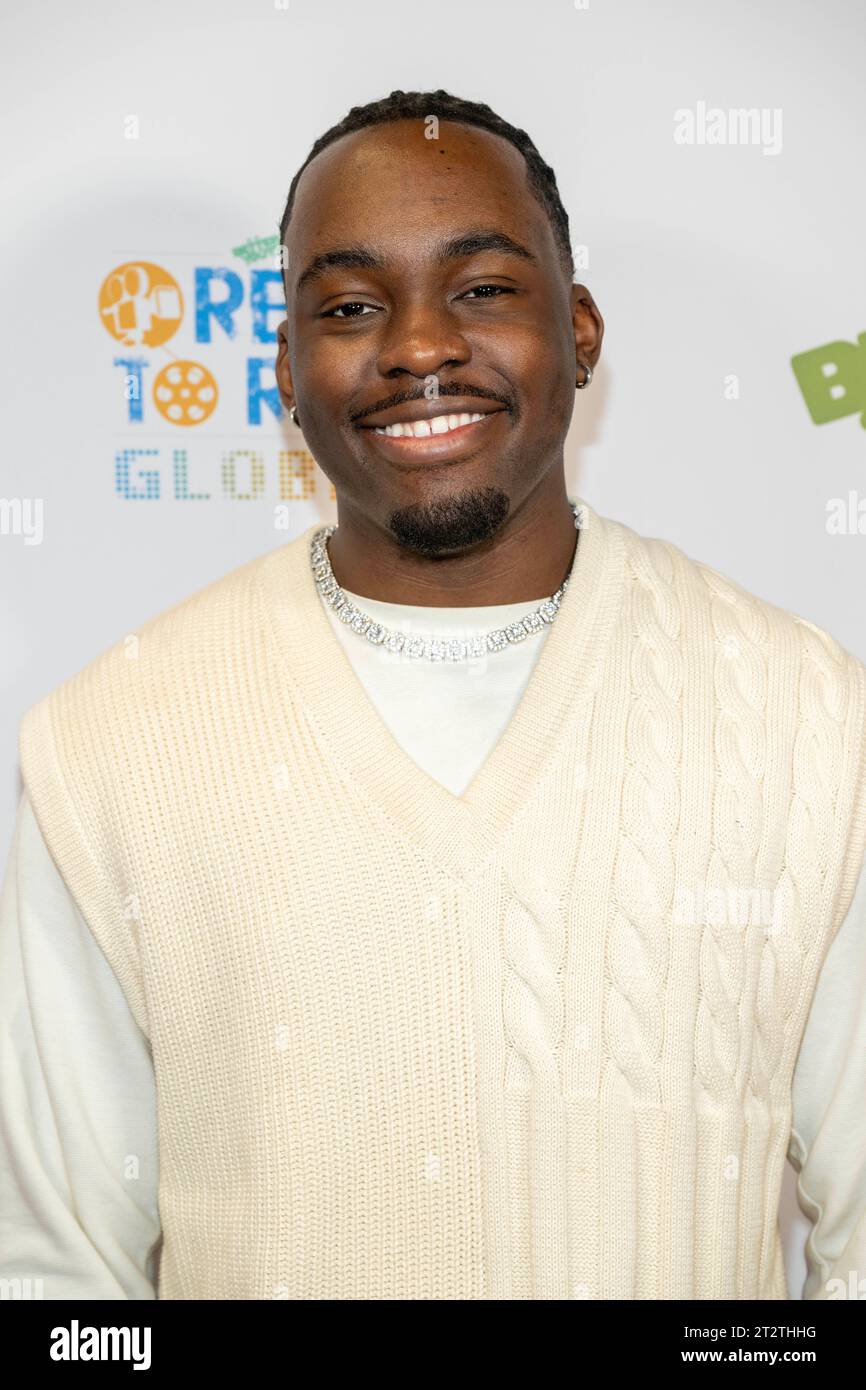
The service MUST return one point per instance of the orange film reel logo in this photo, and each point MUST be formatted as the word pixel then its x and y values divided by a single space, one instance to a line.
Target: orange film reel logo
pixel 140 304
pixel 185 393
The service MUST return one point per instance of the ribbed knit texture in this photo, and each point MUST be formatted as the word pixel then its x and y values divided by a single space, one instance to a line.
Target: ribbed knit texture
pixel 412 1045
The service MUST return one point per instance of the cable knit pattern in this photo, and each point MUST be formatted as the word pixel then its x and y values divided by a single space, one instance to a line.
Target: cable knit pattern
pixel 497 1046
pixel 740 749
pixel 532 1007
pixel 823 696
pixel 533 1012
pixel 818 757
pixel 644 873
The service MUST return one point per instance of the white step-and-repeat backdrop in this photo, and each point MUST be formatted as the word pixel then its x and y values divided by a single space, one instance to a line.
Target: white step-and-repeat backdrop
pixel 710 160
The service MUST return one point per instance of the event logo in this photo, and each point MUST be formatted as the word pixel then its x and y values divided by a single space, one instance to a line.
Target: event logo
pixel 195 351
pixel 832 379
pixel 141 304
pixel 185 393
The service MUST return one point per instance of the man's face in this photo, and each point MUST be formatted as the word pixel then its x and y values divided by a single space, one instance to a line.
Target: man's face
pixel 447 299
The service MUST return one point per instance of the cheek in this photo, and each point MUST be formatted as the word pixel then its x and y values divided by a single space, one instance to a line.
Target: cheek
pixel 329 369
pixel 540 366
pixel 535 354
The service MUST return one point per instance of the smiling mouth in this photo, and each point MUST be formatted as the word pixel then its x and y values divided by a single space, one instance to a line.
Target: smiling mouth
pixel 423 429
pixel 431 435
pixel 438 440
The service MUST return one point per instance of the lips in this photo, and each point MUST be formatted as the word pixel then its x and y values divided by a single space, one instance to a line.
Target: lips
pixel 436 424
pixel 433 437
pixel 440 408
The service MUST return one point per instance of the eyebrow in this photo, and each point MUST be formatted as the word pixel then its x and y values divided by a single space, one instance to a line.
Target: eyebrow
pixel 453 248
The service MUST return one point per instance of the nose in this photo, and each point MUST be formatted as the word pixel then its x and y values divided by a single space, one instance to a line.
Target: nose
pixel 420 339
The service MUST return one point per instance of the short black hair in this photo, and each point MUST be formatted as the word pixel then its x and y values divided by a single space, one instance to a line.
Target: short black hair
pixel 402 105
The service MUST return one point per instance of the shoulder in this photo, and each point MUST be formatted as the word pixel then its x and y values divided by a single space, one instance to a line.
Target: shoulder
pixel 193 642
pixel 669 574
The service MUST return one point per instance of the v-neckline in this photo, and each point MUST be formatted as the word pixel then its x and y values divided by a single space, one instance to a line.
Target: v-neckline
pixel 456 833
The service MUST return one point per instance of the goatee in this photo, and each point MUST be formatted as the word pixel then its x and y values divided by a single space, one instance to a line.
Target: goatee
pixel 449 524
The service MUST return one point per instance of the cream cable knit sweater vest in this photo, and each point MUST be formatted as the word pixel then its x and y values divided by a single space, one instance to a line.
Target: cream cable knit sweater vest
pixel 534 1042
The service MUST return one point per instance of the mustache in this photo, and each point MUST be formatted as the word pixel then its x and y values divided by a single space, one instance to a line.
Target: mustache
pixel 453 388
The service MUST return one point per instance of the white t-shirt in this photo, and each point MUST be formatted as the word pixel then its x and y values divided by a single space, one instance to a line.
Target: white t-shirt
pixel 78 1134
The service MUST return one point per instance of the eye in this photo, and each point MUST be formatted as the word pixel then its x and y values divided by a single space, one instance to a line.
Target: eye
pixel 482 290
pixel 332 313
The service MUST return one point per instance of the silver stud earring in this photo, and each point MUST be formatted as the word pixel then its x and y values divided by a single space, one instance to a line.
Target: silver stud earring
pixel 581 385
pixel 293 416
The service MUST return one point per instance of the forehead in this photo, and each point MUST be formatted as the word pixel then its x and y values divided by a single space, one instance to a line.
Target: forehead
pixel 389 186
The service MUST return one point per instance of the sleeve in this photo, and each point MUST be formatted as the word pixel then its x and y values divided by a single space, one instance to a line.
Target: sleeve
pixel 828 1138
pixel 78 1140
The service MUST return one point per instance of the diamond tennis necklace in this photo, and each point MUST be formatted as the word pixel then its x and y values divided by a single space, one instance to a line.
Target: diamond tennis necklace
pixel 426 648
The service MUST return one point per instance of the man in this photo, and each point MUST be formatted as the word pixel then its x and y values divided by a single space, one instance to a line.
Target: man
pixel 450 891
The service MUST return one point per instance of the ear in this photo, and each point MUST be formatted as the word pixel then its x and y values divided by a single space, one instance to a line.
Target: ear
pixel 588 327
pixel 282 369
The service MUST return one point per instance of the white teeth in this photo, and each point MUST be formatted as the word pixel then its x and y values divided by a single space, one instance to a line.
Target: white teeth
pixel 421 429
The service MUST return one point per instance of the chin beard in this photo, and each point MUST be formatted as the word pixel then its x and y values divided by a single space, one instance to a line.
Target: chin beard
pixel 450 524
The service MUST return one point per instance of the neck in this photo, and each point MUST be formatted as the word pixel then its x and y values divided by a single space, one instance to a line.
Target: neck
pixel 527 559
